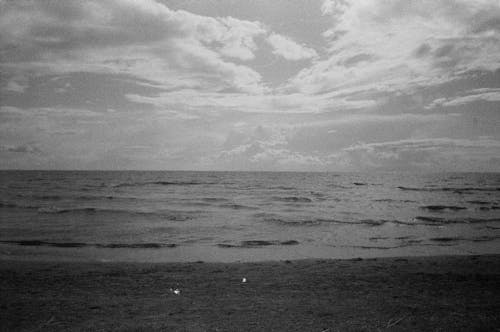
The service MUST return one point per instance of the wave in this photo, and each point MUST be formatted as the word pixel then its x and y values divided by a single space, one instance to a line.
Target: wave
pixel 458 190
pixel 404 245
pixel 72 197
pixel 170 215
pixel 55 210
pixel 426 220
pixel 380 222
pixel 45 243
pixel 443 207
pixel 235 206
pixel 273 218
pixel 336 185
pixel 191 203
pixel 282 188
pixel 421 220
pixel 485 238
pixel 479 202
pixel 439 241
pixel 318 195
pixel 294 199
pixel 405 240
pixel 136 245
pixel 38 243
pixel 482 238
pixel 391 200
pixel 214 199
pixel 8 205
pixel 17 205
pixel 44 197
pixel 163 183
pixel 258 243
pixel 94 198
pixel 446 239
pixel 406 237
pixel 488 208
pixel 379 247
pixel 376 238
pixel 69 197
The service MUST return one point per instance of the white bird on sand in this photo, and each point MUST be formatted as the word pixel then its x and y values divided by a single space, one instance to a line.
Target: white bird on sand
pixel 175 291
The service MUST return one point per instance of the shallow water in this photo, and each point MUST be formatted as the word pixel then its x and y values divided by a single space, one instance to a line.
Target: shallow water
pixel 227 216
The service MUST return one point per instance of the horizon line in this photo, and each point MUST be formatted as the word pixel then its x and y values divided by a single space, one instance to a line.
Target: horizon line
pixel 246 171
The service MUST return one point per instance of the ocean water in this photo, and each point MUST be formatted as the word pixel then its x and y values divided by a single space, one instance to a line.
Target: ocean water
pixel 245 216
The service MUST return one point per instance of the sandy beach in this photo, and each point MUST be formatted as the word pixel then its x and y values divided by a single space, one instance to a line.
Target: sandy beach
pixel 444 293
pixel 232 165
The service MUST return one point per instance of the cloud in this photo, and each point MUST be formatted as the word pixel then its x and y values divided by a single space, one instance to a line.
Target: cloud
pixel 91 81
pixel 25 148
pixel 397 45
pixel 491 95
pixel 263 148
pixel 330 7
pixel 289 49
pixel 52 112
pixel 357 59
pixel 211 102
pixel 15 86
pixel 239 38
pixel 145 39
pixel 443 154
pixel 286 148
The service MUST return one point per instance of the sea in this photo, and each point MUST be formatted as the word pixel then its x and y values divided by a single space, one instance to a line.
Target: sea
pixel 178 216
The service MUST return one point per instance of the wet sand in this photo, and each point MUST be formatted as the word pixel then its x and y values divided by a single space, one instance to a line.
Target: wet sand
pixel 389 294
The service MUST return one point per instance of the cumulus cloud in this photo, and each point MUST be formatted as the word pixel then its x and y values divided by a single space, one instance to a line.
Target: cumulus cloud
pixel 263 148
pixel 397 44
pixel 90 81
pixel 145 39
pixel 329 7
pixel 239 38
pixel 443 154
pixel 289 49
pixel 274 148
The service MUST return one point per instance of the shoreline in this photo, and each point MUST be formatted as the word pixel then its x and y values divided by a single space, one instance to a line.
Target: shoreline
pixel 398 294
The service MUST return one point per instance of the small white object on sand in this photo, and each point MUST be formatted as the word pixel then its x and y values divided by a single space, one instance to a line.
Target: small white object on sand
pixel 244 280
pixel 176 291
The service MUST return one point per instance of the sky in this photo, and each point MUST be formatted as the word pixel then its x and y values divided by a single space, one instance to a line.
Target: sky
pixel 282 85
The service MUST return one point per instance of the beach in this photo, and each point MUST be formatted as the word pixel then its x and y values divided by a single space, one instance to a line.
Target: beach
pixel 230 165
pixel 440 293
pixel 251 251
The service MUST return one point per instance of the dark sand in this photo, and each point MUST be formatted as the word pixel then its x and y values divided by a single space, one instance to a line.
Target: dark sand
pixel 405 294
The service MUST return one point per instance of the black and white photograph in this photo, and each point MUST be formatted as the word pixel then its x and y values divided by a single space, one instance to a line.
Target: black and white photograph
pixel 250 165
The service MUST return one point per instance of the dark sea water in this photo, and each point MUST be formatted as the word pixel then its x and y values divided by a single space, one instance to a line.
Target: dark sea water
pixel 230 216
